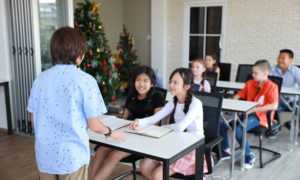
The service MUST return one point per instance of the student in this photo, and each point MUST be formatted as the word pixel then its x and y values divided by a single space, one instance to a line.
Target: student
pixel 144 101
pixel 64 102
pixel 198 70
pixel 290 75
pixel 259 89
pixel 211 64
pixel 186 114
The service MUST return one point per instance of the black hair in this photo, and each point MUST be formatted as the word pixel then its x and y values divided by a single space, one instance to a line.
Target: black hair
pixel 150 73
pixel 187 77
pixel 214 57
pixel 288 51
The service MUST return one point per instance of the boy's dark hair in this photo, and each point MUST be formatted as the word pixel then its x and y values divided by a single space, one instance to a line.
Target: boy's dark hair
pixel 263 65
pixel 288 51
pixel 66 45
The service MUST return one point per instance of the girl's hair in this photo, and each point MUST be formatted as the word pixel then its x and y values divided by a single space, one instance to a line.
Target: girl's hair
pixel 150 73
pixel 214 57
pixel 187 78
pixel 201 61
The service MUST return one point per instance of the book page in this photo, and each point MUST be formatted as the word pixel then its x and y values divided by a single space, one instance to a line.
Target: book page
pixel 156 131
pixel 152 131
pixel 113 122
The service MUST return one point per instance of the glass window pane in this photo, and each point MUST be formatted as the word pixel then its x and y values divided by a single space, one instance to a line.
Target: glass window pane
pixel 197 20
pixel 48 24
pixel 196 47
pixel 214 20
pixel 212 46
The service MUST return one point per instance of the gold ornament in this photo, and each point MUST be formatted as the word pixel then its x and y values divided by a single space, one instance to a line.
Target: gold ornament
pixel 98 50
pixel 99 27
pixel 95 6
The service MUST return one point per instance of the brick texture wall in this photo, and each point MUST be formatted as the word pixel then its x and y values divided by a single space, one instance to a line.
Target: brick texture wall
pixel 255 29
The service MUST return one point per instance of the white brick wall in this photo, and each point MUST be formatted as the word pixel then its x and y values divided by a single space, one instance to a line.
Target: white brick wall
pixel 255 29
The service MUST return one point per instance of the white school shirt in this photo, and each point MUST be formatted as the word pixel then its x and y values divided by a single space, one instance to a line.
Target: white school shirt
pixel 192 120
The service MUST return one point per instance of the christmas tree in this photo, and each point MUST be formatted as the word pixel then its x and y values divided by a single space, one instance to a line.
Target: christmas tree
pixel 128 56
pixel 98 60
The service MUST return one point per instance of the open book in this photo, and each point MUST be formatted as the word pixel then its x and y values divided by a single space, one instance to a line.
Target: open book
pixel 152 131
pixel 113 122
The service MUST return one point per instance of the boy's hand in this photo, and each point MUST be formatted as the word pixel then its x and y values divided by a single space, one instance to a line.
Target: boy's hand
pixel 118 136
pixel 134 125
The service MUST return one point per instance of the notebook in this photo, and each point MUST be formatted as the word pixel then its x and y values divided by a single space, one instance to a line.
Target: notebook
pixel 152 131
pixel 113 122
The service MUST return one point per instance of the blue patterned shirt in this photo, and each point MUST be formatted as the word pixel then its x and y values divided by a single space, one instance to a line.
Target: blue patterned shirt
pixel 61 100
pixel 291 78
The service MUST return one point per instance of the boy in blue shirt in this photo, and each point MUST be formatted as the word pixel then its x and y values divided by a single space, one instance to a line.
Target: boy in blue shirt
pixel 64 102
pixel 290 75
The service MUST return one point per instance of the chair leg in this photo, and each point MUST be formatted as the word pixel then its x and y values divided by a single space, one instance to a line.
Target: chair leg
pixel 260 148
pixel 260 151
pixel 134 171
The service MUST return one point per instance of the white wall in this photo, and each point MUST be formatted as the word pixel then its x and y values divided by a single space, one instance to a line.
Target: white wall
pixel 5 58
pixel 254 29
pixel 111 15
pixel 137 17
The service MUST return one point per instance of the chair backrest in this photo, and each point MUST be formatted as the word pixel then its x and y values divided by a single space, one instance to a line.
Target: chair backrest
pixel 162 90
pixel 212 107
pixel 244 70
pixel 212 78
pixel 225 70
pixel 277 80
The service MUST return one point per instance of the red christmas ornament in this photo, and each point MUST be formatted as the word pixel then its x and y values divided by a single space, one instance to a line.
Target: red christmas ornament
pixel 104 69
pixel 107 49
pixel 90 53
pixel 104 62
pixel 112 98
pixel 76 24
pixel 109 75
pixel 129 43
pixel 102 42
pixel 90 26
pixel 118 47
pixel 95 14
pixel 88 65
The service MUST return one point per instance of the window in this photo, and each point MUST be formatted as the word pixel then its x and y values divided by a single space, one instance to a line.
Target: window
pixel 204 31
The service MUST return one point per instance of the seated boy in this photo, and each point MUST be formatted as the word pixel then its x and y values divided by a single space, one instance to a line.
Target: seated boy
pixel 290 75
pixel 259 89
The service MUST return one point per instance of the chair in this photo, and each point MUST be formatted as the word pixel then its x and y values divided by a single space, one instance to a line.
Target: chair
pixel 225 69
pixel 244 70
pixel 212 77
pixel 212 107
pixel 260 130
pixel 134 158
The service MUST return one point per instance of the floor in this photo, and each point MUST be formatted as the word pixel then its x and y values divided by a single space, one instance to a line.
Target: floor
pixel 18 162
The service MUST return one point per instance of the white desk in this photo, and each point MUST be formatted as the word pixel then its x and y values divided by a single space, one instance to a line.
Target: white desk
pixel 285 91
pixel 237 106
pixel 167 149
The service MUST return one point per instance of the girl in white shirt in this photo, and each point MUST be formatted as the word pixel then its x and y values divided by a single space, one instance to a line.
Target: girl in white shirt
pixel 186 114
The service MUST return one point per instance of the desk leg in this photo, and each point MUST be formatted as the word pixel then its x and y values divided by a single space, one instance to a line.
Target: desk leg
pixel 296 122
pixel 244 124
pixel 166 173
pixel 8 110
pixel 199 162
pixel 232 148
pixel 292 130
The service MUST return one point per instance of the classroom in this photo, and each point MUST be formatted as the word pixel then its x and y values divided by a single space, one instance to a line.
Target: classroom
pixel 149 89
